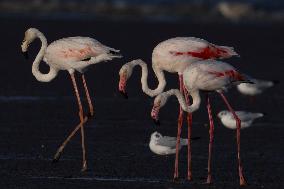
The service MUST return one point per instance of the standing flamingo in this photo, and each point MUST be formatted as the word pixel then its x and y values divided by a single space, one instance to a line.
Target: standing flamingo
pixel 174 55
pixel 71 54
pixel 207 75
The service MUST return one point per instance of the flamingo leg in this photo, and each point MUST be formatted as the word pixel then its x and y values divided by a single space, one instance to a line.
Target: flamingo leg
pixel 91 107
pixel 81 116
pixel 61 148
pixel 238 122
pixel 211 138
pixel 180 119
pixel 189 125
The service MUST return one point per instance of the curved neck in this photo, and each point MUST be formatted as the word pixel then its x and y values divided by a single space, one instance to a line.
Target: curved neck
pixel 195 97
pixel 35 68
pixel 144 78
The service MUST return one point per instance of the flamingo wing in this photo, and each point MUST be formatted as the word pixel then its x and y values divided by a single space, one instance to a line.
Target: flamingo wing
pixel 199 48
pixel 74 49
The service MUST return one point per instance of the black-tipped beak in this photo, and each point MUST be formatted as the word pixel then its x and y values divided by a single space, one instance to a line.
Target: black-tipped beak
pixel 124 94
pixel 276 82
pixel 157 122
pixel 195 138
pixel 26 55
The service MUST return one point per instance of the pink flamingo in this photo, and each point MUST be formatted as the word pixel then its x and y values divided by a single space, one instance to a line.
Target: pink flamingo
pixel 71 54
pixel 174 55
pixel 207 75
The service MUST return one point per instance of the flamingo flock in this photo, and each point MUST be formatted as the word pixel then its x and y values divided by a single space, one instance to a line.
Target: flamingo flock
pixel 175 55
pixel 193 59
pixel 206 75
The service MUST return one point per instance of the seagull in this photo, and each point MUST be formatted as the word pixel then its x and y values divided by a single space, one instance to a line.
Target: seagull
pixel 165 145
pixel 246 118
pixel 256 87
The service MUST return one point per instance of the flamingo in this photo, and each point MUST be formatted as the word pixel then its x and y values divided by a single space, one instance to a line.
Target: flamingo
pixel 70 54
pixel 207 75
pixel 174 55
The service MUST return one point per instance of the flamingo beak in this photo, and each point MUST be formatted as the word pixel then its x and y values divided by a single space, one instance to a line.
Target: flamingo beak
pixel 26 55
pixel 24 48
pixel 124 94
pixel 155 114
pixel 122 86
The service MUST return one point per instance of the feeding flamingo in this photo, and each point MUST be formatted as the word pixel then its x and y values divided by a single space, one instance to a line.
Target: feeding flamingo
pixel 174 55
pixel 207 75
pixel 70 54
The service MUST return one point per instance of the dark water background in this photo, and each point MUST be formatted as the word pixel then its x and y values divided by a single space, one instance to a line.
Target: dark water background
pixel 35 117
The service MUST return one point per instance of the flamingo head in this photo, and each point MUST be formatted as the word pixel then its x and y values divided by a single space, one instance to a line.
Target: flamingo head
pixel 159 102
pixel 124 75
pixel 30 36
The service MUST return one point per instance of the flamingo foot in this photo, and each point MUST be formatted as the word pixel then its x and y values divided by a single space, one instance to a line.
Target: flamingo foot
pixel 84 167
pixel 209 179
pixel 189 176
pixel 56 157
pixel 175 179
pixel 243 181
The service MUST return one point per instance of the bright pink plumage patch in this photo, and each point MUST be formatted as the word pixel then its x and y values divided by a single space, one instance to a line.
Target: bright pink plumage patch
pixel 230 73
pixel 78 53
pixel 209 52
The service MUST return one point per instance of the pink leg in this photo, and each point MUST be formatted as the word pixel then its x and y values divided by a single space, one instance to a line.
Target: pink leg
pixel 91 107
pixel 238 122
pixel 84 166
pixel 69 137
pixel 211 134
pixel 189 125
pixel 61 148
pixel 180 119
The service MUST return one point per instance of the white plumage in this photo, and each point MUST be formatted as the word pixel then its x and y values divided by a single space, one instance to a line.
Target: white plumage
pixel 173 55
pixel 70 54
pixel 255 88
pixel 206 75
pixel 246 118
pixel 165 145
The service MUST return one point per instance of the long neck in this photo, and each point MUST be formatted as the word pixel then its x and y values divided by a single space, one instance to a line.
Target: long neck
pixel 195 97
pixel 144 79
pixel 35 68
